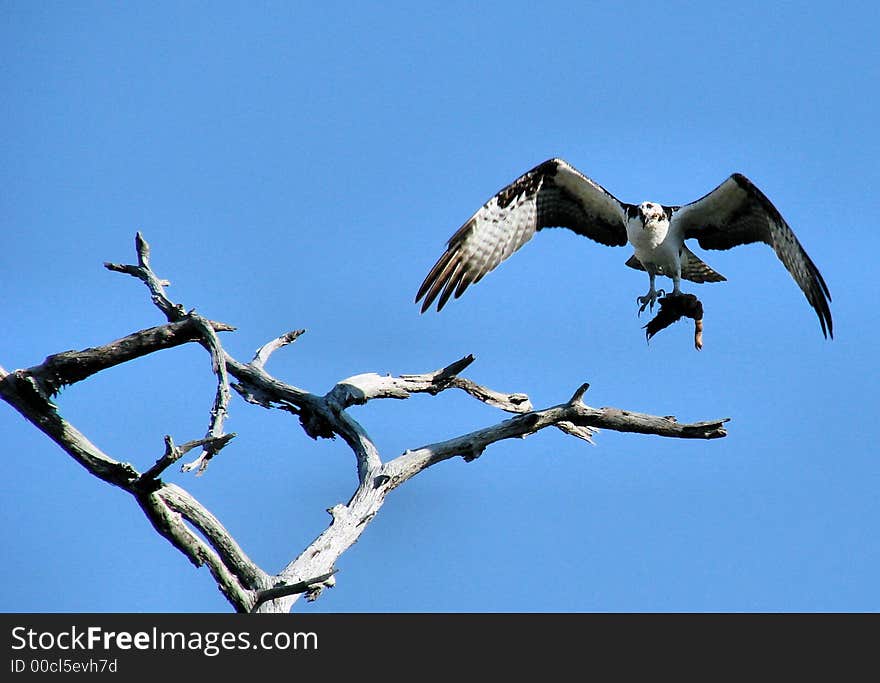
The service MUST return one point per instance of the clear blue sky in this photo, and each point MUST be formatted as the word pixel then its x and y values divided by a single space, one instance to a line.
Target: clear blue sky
pixel 295 166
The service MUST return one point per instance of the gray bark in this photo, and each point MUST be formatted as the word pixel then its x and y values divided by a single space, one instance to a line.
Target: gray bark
pixel 198 534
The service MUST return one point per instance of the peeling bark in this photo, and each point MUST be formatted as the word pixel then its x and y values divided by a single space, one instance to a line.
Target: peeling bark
pixel 197 533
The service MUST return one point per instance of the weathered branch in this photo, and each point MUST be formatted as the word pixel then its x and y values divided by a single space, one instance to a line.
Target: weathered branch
pixel 263 353
pixel 198 534
pixel 170 525
pixel 173 453
pixel 213 439
pixel 471 446
pixel 359 389
pixel 23 393
pixel 246 572
pixel 207 337
pixel 349 521
pixel 142 271
pixel 283 590
pixel 165 505
pixel 68 367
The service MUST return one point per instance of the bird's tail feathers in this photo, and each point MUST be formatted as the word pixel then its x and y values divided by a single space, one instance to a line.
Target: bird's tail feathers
pixel 692 268
pixel 695 270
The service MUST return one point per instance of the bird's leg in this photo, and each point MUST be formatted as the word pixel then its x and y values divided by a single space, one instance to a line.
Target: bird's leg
pixel 651 297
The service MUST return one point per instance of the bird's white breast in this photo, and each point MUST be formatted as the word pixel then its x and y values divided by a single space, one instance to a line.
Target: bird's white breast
pixel 654 243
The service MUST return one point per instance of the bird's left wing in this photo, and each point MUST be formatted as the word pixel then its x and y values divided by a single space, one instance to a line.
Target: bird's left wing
pixel 736 212
pixel 553 194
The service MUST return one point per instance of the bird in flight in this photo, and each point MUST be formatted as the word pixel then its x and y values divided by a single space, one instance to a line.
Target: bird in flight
pixel 555 194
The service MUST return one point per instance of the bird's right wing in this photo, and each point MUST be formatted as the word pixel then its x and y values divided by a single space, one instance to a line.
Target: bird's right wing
pixel 553 194
pixel 737 212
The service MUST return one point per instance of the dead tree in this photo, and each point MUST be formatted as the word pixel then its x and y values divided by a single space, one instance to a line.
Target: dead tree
pixel 177 515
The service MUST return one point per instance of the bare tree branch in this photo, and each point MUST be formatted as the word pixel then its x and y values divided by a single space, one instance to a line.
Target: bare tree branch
pixel 24 394
pixel 197 533
pixel 170 525
pixel 241 566
pixel 349 521
pixel 144 272
pixel 164 504
pixel 173 453
pixel 68 367
pixel 359 389
pixel 270 347
pixel 283 590
pixel 220 409
pixel 208 337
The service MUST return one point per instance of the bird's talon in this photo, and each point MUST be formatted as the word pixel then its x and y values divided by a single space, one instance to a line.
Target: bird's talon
pixel 647 301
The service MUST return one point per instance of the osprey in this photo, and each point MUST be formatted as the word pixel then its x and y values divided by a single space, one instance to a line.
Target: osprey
pixel 555 194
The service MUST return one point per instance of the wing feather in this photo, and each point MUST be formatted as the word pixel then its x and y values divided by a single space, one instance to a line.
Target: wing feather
pixel 553 194
pixel 737 212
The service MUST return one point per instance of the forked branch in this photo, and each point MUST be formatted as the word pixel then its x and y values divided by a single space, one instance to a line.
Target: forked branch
pixel 198 534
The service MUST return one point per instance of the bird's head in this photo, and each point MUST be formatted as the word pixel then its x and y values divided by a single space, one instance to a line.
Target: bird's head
pixel 651 212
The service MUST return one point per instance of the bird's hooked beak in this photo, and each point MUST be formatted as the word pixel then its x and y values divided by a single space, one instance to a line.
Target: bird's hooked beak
pixel 648 214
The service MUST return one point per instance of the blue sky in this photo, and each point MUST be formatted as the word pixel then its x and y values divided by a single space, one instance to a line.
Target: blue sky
pixel 295 166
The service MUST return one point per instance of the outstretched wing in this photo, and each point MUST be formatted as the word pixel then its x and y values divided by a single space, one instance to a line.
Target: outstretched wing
pixel 736 212
pixel 553 194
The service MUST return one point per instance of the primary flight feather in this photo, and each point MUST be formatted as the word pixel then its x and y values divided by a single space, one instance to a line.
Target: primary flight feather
pixel 555 194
